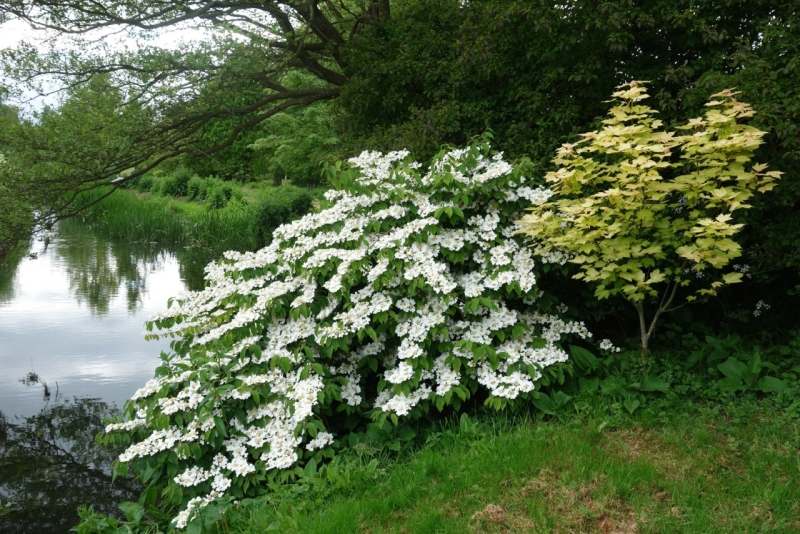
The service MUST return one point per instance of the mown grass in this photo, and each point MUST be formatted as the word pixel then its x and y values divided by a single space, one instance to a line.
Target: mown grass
pixel 676 467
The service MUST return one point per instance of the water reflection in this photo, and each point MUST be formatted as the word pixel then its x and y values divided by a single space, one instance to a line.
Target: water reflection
pixel 192 267
pixel 72 312
pixel 8 272
pixel 50 465
pixel 98 267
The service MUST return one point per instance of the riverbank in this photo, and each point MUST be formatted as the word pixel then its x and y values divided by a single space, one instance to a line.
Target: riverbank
pixel 243 224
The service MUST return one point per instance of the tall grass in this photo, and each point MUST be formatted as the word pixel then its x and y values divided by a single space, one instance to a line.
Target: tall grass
pixel 152 219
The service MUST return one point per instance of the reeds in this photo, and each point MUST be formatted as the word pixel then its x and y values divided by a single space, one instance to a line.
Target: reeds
pixel 153 219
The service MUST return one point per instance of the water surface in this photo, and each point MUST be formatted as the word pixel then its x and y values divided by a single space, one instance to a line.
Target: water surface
pixel 72 313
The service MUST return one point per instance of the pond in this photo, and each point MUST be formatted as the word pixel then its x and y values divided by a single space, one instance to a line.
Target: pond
pixel 72 314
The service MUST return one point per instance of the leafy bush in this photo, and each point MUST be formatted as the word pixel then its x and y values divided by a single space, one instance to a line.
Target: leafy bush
pixel 642 224
pixel 218 196
pixel 157 187
pixel 197 189
pixel 280 207
pixel 144 183
pixel 410 290
pixel 176 185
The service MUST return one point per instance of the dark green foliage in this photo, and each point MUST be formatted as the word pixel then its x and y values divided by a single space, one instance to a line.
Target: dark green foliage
pixel 766 69
pixel 145 183
pixel 442 71
pixel 142 183
pixel 282 206
pixel 176 184
pixel 212 191
pixel 197 189
pixel 714 369
pixel 218 195
pixel 297 144
pixel 236 162
pixel 536 73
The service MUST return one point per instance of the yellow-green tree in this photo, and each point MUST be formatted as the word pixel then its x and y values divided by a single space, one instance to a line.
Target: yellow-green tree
pixel 644 211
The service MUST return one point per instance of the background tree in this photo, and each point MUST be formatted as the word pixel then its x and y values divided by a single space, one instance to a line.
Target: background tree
pixel 299 142
pixel 537 72
pixel 236 80
pixel 50 159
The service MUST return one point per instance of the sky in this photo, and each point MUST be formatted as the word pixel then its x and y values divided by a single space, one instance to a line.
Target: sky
pixel 13 32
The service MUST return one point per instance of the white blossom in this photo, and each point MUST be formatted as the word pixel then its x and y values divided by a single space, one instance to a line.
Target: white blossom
pixel 383 268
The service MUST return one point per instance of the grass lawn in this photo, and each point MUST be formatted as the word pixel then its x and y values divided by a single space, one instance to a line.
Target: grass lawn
pixel 683 467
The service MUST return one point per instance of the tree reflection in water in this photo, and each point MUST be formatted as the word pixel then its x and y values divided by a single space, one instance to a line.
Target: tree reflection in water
pixel 98 266
pixel 8 271
pixel 50 465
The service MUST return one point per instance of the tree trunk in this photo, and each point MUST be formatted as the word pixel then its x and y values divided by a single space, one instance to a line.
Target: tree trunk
pixel 385 10
pixel 380 10
pixel 647 333
pixel 645 340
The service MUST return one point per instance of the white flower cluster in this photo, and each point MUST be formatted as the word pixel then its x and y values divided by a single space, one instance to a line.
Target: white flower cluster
pixel 608 346
pixel 744 269
pixel 761 307
pixel 401 278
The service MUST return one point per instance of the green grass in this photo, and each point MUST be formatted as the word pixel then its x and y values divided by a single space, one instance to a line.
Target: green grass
pixel 149 218
pixel 253 190
pixel 675 467
pixel 165 220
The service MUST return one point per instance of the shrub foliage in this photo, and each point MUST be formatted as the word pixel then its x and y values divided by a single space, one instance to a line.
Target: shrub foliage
pixel 280 207
pixel 644 211
pixel 410 290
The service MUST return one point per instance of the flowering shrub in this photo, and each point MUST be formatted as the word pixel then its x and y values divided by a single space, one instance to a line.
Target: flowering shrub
pixel 411 289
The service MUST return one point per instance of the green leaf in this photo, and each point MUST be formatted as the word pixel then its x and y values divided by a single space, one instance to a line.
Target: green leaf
pixel 585 360
pixel 732 278
pixel 770 384
pixel 544 403
pixel 631 404
pixel 560 398
pixel 195 526
pixel 220 427
pixel 651 383
pixel 732 368
pixel 312 429
pixel 406 433
pixel 311 468
pixel 371 333
pixel 730 384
